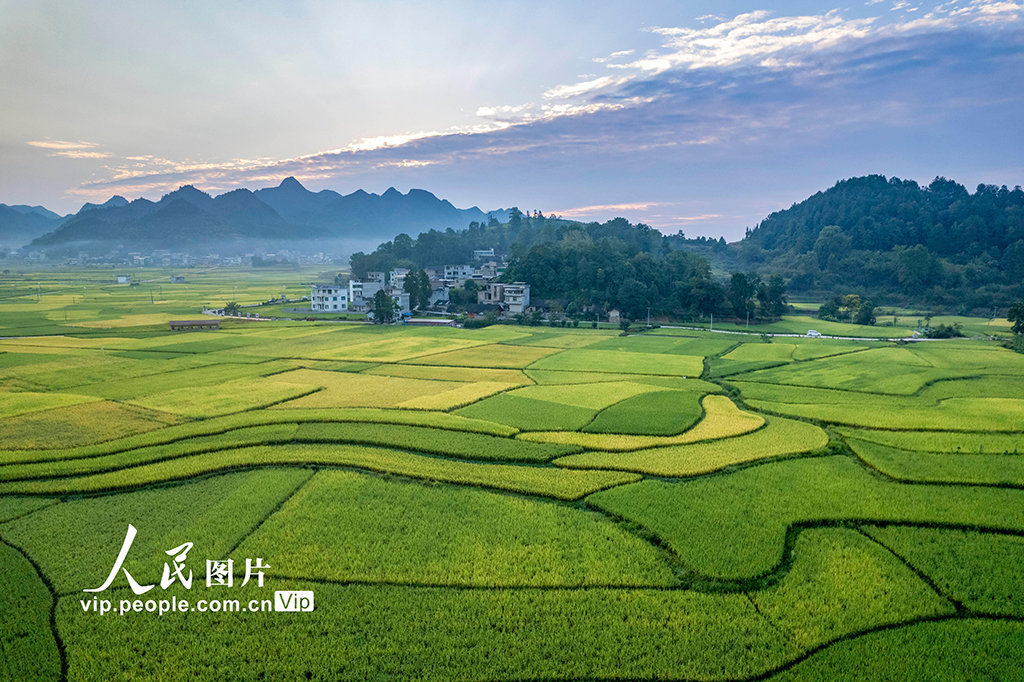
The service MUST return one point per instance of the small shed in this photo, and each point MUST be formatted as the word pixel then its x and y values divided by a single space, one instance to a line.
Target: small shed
pixel 193 325
pixel 614 317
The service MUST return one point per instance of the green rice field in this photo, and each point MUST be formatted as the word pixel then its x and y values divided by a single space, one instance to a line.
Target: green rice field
pixel 509 503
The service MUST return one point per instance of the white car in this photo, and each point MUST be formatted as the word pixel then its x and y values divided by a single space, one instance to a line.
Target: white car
pixel 813 334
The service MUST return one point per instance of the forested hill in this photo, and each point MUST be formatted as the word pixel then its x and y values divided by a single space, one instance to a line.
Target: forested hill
pixel 897 240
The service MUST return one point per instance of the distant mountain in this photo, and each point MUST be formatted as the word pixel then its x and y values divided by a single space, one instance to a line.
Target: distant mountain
pixel 182 218
pixel 191 218
pixel 361 213
pixel 21 224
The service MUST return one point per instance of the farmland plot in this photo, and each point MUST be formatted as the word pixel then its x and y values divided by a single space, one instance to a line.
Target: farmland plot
pixel 511 503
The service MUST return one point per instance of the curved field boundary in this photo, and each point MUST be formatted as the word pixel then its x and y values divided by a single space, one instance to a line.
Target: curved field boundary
pixel 219 425
pixel 941 467
pixel 779 437
pixel 451 444
pixel 722 419
pixel 736 527
pixel 543 481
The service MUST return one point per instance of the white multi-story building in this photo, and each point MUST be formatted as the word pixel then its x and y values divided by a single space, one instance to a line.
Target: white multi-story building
pixel 517 297
pixel 360 293
pixel 480 254
pixel 513 298
pixel 458 272
pixel 332 297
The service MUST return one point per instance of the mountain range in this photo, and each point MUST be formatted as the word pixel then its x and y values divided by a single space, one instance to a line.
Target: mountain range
pixel 191 218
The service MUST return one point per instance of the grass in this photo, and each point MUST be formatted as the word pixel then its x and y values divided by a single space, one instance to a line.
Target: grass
pixel 734 527
pixel 722 419
pixel 334 527
pixel 662 413
pixel 778 437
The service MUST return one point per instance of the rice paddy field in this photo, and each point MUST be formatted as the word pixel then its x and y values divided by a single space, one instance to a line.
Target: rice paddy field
pixel 507 503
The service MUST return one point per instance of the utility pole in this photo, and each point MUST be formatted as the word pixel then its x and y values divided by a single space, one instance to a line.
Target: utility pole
pixel 748 319
pixel 648 316
pixel 712 322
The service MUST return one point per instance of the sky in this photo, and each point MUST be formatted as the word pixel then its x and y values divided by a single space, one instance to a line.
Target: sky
pixel 695 116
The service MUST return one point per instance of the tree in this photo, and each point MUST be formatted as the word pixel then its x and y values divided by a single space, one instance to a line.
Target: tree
pixel 417 285
pixel 231 308
pixel 1016 316
pixel 865 314
pixel 384 307
pixel 742 289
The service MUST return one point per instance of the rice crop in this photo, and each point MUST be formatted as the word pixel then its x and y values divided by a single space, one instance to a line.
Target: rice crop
pixel 843 584
pixel 722 419
pixel 225 424
pixel 526 413
pixel 941 467
pixel 82 424
pixel 345 389
pixel 457 397
pixel 75 542
pixel 943 441
pixel 443 373
pixel 980 570
pixel 734 526
pixel 12 404
pixel 491 356
pixel 759 352
pixel 225 398
pixel 590 396
pixel 332 529
pixel 948 649
pixel 778 437
pixel 28 650
pixel 623 362
pixel 661 413
pixel 392 632
pixel 545 377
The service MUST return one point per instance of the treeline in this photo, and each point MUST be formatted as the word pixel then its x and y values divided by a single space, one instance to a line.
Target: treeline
pixel 592 267
pixel 898 241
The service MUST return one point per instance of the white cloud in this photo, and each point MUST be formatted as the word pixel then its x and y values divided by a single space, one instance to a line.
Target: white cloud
pixel 583 88
pixel 62 144
pixel 77 154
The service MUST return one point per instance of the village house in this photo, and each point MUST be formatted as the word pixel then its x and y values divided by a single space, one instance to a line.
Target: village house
pixel 332 297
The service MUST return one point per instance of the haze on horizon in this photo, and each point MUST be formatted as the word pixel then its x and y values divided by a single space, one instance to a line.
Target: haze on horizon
pixel 701 116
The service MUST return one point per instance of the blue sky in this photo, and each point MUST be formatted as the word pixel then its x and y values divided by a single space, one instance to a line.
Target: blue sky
pixel 700 116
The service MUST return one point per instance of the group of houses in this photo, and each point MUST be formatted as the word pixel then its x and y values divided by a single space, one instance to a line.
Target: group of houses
pixel 357 295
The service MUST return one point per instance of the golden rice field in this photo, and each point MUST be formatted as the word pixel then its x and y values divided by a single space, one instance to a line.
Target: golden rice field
pixel 511 503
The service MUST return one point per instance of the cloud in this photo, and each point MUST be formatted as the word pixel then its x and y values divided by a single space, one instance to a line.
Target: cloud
pixel 586 211
pixel 756 85
pixel 77 154
pixel 61 144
